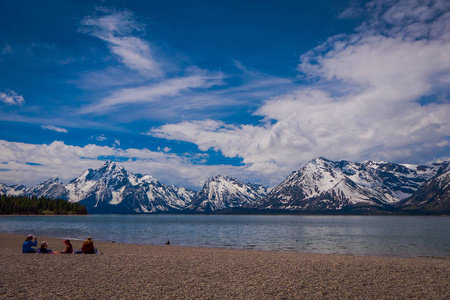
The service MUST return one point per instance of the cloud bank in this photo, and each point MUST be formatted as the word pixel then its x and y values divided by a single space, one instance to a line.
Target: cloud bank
pixel 29 164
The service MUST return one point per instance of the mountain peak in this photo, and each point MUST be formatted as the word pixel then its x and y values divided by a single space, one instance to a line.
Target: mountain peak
pixel 324 184
pixel 109 164
pixel 111 167
pixel 319 160
pixel 223 192
pixel 219 178
pixel 52 181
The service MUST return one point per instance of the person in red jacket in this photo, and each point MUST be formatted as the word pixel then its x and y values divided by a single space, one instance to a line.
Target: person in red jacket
pixel 88 246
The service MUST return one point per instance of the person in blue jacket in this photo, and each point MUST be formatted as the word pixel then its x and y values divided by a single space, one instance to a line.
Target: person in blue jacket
pixel 27 246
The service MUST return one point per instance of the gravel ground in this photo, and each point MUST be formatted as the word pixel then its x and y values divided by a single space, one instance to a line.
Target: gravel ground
pixel 124 271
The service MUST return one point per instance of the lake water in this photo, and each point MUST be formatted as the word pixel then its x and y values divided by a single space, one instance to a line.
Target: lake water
pixel 358 235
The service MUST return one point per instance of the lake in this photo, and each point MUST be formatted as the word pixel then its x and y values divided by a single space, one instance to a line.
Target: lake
pixel 406 236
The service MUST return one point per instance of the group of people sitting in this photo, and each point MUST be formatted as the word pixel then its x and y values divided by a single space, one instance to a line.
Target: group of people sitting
pixel 28 244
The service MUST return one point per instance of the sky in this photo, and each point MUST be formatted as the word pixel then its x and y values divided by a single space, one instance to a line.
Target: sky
pixel 185 90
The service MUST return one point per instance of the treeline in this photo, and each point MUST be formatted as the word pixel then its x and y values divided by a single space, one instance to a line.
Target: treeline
pixel 21 205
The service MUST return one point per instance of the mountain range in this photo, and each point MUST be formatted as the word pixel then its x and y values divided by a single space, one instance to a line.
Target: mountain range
pixel 321 186
pixel 327 186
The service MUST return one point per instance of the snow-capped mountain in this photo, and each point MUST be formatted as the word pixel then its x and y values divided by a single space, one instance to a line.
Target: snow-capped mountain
pixel 13 190
pixel 320 186
pixel 327 185
pixel 432 196
pixel 52 188
pixel 222 192
pixel 111 188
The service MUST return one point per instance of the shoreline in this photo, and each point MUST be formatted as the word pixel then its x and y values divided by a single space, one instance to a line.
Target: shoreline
pixel 223 248
pixel 126 271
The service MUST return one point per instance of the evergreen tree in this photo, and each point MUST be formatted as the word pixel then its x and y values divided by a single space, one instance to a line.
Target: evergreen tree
pixel 33 206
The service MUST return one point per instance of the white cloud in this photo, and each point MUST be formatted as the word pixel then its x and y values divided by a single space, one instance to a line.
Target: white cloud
pixel 11 98
pixel 197 94
pixel 165 149
pixel 67 162
pixel 116 28
pixel 151 93
pixel 386 69
pixel 54 128
pixel 99 138
pixel 409 19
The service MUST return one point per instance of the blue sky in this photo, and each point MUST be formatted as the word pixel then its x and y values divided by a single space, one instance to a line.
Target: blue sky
pixel 184 90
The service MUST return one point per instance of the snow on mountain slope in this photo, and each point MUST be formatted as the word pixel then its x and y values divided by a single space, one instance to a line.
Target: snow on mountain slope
pixel 327 185
pixel 432 196
pixel 321 185
pixel 111 185
pixel 112 189
pixel 222 192
pixel 105 184
pixel 13 190
pixel 52 188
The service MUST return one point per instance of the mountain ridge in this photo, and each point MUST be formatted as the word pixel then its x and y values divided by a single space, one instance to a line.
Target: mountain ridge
pixel 223 192
pixel 320 186
pixel 325 185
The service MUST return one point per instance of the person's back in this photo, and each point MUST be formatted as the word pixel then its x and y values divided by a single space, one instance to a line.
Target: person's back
pixel 88 246
pixel 27 246
pixel 44 249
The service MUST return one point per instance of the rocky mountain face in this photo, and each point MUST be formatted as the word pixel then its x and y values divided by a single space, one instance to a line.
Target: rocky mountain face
pixel 13 190
pixel 324 185
pixel 223 192
pixel 433 196
pixel 52 188
pixel 113 189
pixel 321 186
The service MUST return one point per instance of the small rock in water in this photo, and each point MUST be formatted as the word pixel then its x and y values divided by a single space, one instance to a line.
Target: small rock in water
pixel 168 243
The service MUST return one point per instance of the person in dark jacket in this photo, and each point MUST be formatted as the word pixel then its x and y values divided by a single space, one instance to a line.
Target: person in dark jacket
pixel 27 246
pixel 69 248
pixel 88 246
pixel 43 248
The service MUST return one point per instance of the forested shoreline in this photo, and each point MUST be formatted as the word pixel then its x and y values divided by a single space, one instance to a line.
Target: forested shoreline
pixel 22 205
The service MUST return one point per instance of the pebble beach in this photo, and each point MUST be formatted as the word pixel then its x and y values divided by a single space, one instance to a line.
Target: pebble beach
pixel 125 271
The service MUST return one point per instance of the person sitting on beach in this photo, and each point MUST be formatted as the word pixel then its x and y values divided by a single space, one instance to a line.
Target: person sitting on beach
pixel 27 246
pixel 69 248
pixel 88 246
pixel 43 248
